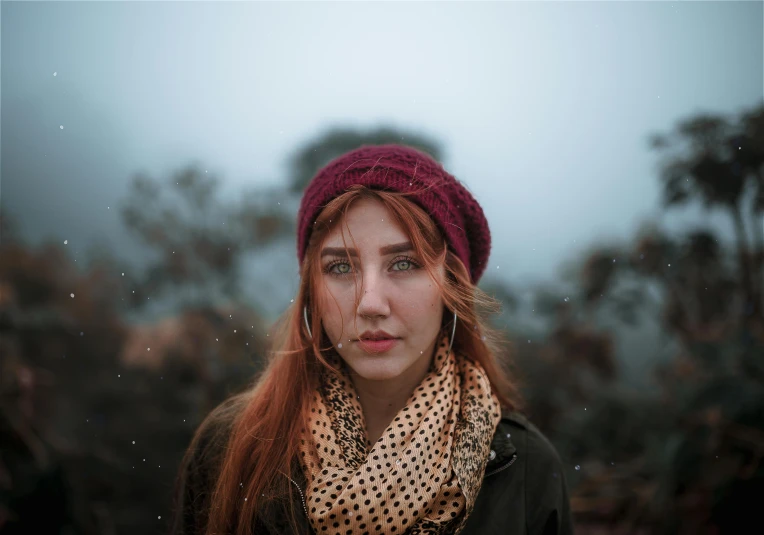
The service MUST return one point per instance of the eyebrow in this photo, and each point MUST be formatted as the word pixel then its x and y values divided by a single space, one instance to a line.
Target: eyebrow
pixel 387 249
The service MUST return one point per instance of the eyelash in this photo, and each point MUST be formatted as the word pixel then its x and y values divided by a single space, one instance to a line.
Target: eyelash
pixel 328 269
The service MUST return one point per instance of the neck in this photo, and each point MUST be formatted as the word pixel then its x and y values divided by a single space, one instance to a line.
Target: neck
pixel 382 400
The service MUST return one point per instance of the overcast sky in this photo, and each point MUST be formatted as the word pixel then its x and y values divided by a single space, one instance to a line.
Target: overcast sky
pixel 543 108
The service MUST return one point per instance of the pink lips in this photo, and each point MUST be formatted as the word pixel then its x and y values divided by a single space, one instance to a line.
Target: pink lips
pixel 378 346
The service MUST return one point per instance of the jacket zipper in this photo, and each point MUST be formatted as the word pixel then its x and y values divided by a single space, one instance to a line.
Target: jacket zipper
pixel 499 469
pixel 302 497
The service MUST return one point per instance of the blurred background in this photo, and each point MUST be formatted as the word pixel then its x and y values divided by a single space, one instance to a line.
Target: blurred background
pixel 153 157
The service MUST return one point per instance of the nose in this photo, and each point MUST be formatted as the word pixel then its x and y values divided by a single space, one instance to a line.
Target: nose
pixel 373 299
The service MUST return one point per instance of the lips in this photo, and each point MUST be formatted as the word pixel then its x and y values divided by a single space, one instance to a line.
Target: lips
pixel 377 346
pixel 376 335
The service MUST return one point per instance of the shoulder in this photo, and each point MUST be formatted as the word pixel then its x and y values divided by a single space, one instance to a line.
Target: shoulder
pixel 537 449
pixel 214 431
pixel 207 448
pixel 545 486
pixel 199 467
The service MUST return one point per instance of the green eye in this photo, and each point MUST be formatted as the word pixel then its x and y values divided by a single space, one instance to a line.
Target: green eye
pixel 340 271
pixel 343 268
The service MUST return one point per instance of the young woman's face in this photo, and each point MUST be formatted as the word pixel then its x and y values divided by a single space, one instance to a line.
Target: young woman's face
pixel 397 296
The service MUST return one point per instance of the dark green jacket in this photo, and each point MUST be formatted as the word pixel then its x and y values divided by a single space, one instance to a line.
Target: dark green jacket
pixel 523 492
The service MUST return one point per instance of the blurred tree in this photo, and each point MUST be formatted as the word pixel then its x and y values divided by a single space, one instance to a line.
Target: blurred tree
pixel 85 435
pixel 308 158
pixel 199 240
pixel 57 338
pixel 707 160
pixel 689 456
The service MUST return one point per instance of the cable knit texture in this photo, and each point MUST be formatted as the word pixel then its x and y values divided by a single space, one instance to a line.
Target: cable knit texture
pixel 403 169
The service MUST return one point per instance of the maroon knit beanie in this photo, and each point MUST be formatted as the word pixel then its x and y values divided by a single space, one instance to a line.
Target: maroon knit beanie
pixel 392 168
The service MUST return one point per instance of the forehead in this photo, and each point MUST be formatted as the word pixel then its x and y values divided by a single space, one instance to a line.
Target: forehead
pixel 368 222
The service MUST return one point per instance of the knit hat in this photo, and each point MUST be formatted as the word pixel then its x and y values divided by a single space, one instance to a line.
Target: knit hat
pixel 403 169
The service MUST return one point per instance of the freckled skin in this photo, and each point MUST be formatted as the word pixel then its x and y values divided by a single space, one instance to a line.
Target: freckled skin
pixel 398 297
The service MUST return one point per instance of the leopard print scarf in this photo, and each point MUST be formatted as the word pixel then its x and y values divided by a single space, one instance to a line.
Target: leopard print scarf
pixel 425 471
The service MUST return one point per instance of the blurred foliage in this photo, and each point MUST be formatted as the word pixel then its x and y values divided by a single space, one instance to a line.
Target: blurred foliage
pixel 312 156
pixel 684 456
pixel 96 411
pixel 88 437
pixel 197 239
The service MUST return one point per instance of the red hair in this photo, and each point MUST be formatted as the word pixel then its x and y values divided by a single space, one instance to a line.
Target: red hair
pixel 263 443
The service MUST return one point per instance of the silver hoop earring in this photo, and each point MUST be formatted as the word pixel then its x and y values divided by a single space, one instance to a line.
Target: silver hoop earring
pixel 305 315
pixel 453 332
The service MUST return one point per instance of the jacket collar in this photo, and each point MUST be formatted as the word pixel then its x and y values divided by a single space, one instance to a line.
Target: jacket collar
pixel 501 445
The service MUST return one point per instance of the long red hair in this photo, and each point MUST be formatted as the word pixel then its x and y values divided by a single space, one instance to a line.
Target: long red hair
pixel 263 443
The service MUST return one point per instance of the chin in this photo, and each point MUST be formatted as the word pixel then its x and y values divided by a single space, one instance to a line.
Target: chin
pixel 379 368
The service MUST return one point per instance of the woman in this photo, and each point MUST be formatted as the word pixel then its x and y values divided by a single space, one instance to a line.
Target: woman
pixel 383 407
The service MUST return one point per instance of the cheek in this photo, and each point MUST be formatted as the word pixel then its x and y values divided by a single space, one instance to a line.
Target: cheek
pixel 332 303
pixel 333 310
pixel 421 304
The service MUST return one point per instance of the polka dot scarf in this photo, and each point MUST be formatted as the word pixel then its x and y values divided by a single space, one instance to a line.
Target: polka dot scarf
pixel 425 471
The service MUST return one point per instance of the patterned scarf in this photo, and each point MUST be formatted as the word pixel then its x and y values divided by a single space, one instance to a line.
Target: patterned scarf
pixel 424 472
